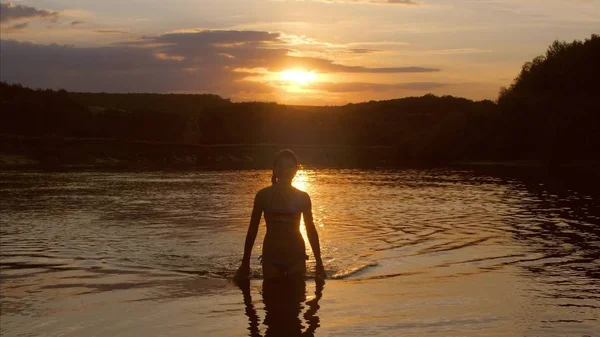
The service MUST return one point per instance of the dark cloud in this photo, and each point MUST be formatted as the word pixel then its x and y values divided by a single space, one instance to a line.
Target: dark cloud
pixel 375 87
pixel 362 51
pixel 402 2
pixel 252 49
pixel 381 2
pixel 115 69
pixel 76 22
pixel 17 27
pixel 11 12
pixel 110 31
pixel 216 37
pixel 198 61
pixel 328 66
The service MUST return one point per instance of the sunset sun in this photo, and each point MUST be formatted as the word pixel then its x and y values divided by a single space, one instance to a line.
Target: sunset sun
pixel 299 77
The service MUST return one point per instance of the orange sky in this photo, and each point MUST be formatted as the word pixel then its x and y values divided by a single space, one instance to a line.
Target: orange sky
pixel 294 52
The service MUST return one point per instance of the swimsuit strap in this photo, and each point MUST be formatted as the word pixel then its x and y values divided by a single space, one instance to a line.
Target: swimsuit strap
pixel 271 209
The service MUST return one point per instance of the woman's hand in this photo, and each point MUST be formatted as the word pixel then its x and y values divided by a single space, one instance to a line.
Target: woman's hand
pixel 243 273
pixel 320 272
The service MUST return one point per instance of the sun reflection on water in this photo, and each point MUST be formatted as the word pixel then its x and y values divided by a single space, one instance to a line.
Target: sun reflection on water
pixel 302 182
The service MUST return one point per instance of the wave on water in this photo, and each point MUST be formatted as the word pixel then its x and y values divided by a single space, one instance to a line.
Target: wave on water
pixel 353 270
pixel 14 262
pixel 332 272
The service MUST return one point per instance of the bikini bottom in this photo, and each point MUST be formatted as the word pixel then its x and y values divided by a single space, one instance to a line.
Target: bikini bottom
pixel 281 270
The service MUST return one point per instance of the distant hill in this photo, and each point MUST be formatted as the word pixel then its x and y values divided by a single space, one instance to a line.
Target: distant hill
pixel 422 126
pixel 177 103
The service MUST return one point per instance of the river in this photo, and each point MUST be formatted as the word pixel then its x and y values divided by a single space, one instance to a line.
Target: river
pixel 430 252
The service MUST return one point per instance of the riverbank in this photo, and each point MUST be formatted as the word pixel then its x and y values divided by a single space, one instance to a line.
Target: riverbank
pixel 31 152
pixel 22 152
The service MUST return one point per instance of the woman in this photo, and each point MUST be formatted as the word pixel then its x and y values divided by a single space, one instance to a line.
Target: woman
pixel 284 253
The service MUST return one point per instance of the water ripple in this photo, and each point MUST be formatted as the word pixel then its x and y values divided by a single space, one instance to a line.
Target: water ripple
pixel 419 226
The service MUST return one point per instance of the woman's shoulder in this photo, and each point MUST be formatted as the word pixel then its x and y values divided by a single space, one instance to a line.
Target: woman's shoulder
pixel 261 197
pixel 299 192
pixel 264 191
pixel 301 195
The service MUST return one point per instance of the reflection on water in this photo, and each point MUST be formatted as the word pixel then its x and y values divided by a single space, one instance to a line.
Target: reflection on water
pixel 427 251
pixel 302 182
pixel 284 302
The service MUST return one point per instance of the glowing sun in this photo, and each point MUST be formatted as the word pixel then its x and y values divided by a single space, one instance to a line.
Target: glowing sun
pixel 298 76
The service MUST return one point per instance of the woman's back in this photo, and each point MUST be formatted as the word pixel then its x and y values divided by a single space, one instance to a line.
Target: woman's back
pixel 283 207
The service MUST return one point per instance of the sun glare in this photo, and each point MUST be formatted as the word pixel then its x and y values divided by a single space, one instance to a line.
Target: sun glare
pixel 301 182
pixel 298 76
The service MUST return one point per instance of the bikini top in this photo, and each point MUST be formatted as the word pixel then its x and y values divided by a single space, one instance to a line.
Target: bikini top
pixel 291 212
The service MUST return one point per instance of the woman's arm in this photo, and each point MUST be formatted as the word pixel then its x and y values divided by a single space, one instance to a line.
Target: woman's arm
pixel 252 229
pixel 313 237
pixel 257 209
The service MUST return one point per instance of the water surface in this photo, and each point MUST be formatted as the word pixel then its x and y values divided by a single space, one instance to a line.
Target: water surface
pixel 409 252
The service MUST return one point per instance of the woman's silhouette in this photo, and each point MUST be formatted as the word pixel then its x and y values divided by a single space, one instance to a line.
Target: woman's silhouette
pixel 284 252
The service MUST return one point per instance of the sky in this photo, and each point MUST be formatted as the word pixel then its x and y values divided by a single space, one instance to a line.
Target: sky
pixel 309 52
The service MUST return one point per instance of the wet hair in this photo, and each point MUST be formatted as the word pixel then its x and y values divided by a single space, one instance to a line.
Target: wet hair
pixel 285 153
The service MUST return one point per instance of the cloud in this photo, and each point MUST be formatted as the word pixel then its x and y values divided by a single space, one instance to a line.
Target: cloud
pixel 328 66
pixel 362 50
pixel 11 12
pixel 195 61
pixel 403 2
pixel 76 22
pixel 377 2
pixel 193 41
pixel 111 69
pixel 17 27
pixel 110 31
pixel 252 49
pixel 375 87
